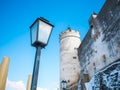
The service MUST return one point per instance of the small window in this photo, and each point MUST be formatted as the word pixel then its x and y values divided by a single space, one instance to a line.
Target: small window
pixel 74 57
pixel 73 68
pixel 104 57
pixel 91 26
pixel 75 48
pixel 94 64
pixel 68 81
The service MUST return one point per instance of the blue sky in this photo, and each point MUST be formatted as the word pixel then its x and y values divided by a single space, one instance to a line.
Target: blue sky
pixel 15 18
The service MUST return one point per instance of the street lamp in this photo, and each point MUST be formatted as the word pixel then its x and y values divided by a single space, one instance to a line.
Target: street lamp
pixel 64 84
pixel 40 32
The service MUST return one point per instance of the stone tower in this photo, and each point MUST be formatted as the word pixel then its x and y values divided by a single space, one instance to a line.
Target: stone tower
pixel 69 64
pixel 29 82
pixel 4 66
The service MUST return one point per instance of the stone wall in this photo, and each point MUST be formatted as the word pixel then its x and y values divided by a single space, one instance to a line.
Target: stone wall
pixel 101 45
pixel 107 78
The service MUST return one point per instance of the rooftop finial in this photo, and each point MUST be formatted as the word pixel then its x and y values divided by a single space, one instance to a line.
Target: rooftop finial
pixel 69 28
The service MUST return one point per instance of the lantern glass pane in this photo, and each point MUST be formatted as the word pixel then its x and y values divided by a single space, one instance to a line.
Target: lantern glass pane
pixel 63 84
pixel 34 32
pixel 44 32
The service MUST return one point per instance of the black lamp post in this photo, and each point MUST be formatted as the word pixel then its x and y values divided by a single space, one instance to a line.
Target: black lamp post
pixel 64 84
pixel 40 32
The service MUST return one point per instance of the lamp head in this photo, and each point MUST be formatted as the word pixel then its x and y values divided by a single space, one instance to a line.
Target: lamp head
pixel 40 32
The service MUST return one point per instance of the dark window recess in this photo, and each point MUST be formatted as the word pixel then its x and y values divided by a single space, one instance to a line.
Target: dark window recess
pixel 91 26
pixel 73 68
pixel 74 57
pixel 93 64
pixel 68 81
pixel 104 57
pixel 75 48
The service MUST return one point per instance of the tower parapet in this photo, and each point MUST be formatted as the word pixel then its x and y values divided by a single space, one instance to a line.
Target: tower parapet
pixel 69 33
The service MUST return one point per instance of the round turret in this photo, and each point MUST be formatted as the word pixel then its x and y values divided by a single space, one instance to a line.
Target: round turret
pixel 69 63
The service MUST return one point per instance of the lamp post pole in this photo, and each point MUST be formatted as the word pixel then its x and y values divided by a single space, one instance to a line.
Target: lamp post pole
pixel 36 68
pixel 64 89
pixel 40 32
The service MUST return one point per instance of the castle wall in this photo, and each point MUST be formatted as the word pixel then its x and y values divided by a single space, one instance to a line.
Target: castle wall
pixel 69 66
pixel 101 47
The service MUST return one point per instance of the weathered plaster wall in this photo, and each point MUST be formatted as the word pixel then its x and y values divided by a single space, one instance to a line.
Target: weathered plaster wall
pixel 101 46
pixel 106 79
